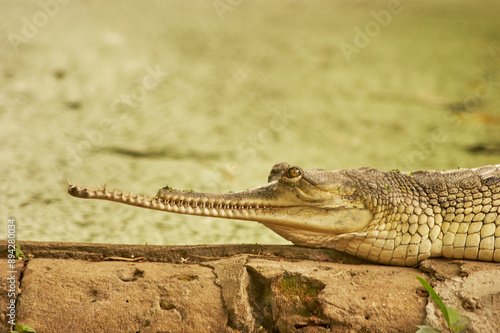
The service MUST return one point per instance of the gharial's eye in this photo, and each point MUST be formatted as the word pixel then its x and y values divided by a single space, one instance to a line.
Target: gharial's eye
pixel 293 172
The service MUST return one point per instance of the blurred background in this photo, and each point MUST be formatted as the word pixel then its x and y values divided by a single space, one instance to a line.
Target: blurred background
pixel 209 95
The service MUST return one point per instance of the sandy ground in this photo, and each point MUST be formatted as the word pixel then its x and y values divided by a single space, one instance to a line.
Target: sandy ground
pixel 209 96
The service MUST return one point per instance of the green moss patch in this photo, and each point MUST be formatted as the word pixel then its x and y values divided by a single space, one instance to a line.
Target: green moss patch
pixel 299 294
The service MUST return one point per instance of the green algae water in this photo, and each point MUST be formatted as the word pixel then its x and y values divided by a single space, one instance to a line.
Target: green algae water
pixel 209 97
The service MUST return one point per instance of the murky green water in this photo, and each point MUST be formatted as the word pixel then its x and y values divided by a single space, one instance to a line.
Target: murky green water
pixel 140 95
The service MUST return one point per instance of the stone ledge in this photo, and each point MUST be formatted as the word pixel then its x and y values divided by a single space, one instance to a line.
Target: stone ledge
pixel 176 254
pixel 71 287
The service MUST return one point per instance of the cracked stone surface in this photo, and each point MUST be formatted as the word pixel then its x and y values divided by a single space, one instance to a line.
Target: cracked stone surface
pixel 353 299
pixel 234 282
pixel 261 289
pixel 471 288
pixel 79 296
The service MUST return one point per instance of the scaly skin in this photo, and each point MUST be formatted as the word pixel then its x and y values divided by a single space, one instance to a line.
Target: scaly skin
pixel 390 217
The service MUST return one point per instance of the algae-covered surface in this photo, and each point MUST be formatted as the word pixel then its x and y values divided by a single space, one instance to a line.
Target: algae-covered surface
pixel 209 95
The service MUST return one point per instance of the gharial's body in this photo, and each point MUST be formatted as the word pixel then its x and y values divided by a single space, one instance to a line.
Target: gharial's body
pixel 390 217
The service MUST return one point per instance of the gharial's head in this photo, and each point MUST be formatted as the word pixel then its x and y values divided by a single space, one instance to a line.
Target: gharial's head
pixel 313 199
pixel 294 200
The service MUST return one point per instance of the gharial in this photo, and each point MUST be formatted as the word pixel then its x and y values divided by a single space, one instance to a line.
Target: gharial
pixel 392 217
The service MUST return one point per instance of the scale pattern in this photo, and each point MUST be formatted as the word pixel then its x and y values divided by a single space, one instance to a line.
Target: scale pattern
pixel 451 214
